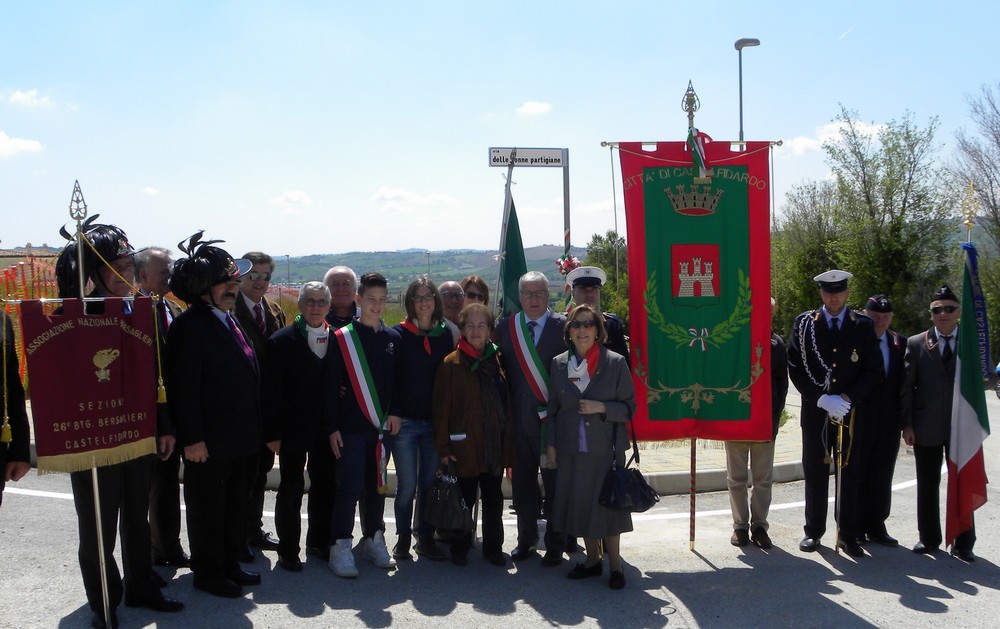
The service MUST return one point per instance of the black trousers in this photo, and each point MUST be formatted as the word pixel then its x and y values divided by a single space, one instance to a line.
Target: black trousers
pixel 492 513
pixel 322 468
pixel 527 451
pixel 816 469
pixel 876 454
pixel 929 460
pixel 288 504
pixel 216 496
pixel 165 508
pixel 254 513
pixel 124 500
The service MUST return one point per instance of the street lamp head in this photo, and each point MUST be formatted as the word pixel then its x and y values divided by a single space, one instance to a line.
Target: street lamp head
pixel 745 42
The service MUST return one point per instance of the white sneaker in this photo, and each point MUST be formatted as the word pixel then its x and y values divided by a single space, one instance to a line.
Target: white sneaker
pixel 377 553
pixel 342 559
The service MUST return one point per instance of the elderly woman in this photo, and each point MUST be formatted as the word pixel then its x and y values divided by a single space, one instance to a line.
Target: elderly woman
pixel 476 290
pixel 293 424
pixel 424 342
pixel 472 427
pixel 590 400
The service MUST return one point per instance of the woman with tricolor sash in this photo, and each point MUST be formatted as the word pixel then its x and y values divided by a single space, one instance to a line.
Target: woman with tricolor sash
pixel 472 427
pixel 591 398
pixel 423 344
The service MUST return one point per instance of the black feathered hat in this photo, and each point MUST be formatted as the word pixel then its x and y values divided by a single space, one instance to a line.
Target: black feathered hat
pixel 205 266
pixel 109 242
pixel 879 303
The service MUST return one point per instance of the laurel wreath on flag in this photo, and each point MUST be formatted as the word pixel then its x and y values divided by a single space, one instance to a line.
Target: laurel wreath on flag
pixel 696 393
pixel 720 332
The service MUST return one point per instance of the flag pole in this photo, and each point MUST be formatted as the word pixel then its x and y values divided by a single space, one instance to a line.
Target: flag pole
pixel 689 105
pixel 497 303
pixel 78 212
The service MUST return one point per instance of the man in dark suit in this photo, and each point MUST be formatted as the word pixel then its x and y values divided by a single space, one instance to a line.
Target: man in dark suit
pixel 152 272
pixel 529 340
pixel 293 412
pixel 878 450
pixel 14 455
pixel 212 376
pixel 833 360
pixel 261 318
pixel 925 401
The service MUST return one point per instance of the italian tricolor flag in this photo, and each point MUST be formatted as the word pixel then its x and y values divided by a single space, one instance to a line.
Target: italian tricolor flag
pixel 969 422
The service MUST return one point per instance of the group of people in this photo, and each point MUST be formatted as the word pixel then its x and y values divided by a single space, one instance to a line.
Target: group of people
pixel 863 386
pixel 336 392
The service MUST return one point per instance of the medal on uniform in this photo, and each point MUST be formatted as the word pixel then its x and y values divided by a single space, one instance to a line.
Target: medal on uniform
pixel 854 355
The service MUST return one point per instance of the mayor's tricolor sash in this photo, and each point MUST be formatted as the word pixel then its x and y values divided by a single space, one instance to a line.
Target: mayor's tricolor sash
pixel 531 364
pixel 364 390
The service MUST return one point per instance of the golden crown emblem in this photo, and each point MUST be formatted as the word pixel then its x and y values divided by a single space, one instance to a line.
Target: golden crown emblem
pixel 102 359
pixel 694 200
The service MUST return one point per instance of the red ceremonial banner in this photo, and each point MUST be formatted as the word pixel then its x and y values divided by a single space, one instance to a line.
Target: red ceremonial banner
pixel 93 385
pixel 699 289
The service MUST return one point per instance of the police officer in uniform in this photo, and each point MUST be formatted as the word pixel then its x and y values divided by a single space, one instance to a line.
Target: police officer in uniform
pixel 586 282
pixel 834 361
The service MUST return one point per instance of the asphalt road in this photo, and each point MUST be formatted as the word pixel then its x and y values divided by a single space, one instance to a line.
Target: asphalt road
pixel 716 585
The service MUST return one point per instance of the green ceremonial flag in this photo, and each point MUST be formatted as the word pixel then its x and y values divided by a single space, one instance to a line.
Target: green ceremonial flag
pixel 512 265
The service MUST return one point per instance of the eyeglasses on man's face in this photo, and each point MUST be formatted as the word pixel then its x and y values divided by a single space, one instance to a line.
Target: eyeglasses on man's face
pixel 534 294
pixel 264 276
pixel 939 309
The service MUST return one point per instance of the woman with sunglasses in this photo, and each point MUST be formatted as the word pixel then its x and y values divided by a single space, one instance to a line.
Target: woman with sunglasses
pixel 476 291
pixel 590 400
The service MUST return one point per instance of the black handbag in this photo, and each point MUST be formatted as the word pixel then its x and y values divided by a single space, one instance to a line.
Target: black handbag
pixel 625 488
pixel 446 509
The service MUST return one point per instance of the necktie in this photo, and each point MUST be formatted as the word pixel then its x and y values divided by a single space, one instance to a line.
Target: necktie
pixel 531 328
pixel 241 340
pixel 885 355
pixel 947 352
pixel 259 319
pixel 833 324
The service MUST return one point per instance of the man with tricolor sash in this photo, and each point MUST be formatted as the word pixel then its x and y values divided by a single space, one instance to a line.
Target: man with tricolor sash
pixel 363 364
pixel 529 340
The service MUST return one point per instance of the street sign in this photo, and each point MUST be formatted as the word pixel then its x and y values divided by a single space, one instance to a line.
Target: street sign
pixel 550 158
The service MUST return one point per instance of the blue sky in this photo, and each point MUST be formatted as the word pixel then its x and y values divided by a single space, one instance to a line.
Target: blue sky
pixel 323 127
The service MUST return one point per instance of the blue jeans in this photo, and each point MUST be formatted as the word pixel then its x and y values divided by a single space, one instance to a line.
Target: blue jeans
pixel 416 460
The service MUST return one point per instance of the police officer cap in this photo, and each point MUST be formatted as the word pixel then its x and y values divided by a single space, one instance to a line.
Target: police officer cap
pixel 833 281
pixel 879 303
pixel 586 276
pixel 205 266
pixel 944 294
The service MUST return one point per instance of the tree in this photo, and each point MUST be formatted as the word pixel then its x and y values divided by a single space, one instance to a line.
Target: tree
pixel 977 160
pixel 609 252
pixel 886 218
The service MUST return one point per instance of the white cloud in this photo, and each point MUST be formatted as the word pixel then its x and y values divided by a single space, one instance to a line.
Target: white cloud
pixel 398 198
pixel 29 99
pixel 292 197
pixel 830 132
pixel 150 191
pixel 534 108
pixel 12 146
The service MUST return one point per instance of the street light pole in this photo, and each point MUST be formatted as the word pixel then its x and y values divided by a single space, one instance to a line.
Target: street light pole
pixel 742 43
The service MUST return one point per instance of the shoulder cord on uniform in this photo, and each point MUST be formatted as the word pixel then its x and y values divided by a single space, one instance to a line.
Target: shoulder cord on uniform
pixel 810 323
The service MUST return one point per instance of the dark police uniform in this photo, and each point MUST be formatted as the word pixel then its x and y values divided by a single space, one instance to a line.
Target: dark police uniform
pixel 820 362
pixel 616 336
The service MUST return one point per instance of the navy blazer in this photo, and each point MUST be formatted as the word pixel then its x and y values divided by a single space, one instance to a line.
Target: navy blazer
pixel 883 402
pixel 550 344
pixel 293 389
pixel 213 388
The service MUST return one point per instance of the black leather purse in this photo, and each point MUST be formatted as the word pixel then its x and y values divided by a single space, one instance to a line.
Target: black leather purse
pixel 625 488
pixel 446 509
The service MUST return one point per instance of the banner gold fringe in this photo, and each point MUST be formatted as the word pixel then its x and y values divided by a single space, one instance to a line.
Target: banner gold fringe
pixel 81 461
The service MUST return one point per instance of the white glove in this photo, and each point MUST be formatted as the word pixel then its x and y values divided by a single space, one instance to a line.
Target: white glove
pixel 834 405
